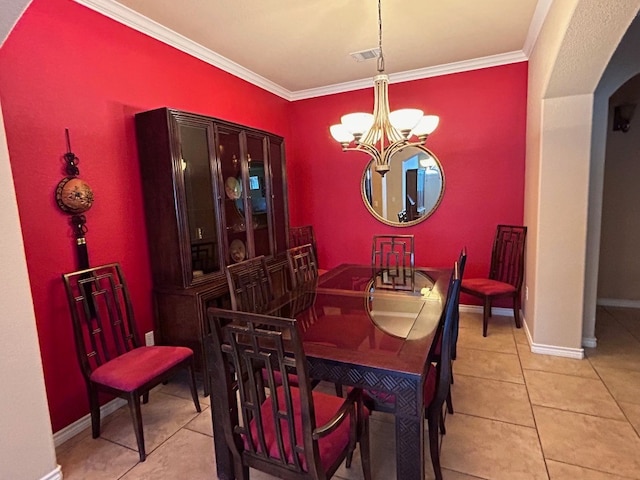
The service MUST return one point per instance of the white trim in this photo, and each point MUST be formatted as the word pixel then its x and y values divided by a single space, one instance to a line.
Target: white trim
pixel 83 423
pixel 55 474
pixel 140 23
pixel 500 311
pixel 590 342
pixel 577 353
pixel 542 8
pixel 618 302
pixel 418 74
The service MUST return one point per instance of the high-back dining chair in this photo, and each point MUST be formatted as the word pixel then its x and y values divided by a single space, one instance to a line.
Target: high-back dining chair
pixel 393 261
pixel 437 388
pixel 505 274
pixel 301 236
pixel 250 285
pixel 302 264
pixel 294 433
pixel 109 351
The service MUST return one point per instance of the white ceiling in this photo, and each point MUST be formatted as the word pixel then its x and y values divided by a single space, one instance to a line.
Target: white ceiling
pixel 300 48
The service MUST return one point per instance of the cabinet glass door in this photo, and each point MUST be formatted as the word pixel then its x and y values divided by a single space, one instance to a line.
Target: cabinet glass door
pixel 259 194
pixel 230 156
pixel 201 225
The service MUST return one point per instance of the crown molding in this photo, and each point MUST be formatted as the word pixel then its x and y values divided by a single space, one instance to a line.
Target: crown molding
pixel 418 74
pixel 542 8
pixel 140 23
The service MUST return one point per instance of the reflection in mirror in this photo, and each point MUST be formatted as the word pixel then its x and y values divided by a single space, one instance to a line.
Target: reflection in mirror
pixel 411 190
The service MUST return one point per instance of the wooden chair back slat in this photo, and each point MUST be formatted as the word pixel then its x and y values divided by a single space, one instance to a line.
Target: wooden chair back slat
pixel 250 285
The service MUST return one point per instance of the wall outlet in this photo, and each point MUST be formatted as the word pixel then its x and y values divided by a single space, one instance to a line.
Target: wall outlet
pixel 526 293
pixel 148 339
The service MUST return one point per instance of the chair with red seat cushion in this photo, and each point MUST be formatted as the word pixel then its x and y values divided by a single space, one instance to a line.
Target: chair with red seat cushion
pixel 294 433
pixel 108 346
pixel 505 273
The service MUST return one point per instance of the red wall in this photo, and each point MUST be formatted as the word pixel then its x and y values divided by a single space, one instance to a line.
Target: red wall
pixel 480 143
pixel 65 66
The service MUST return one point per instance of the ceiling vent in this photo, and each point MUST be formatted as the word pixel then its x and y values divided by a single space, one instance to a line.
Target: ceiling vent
pixel 366 54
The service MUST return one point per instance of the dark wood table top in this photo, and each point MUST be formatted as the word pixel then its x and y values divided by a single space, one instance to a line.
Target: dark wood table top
pixel 348 318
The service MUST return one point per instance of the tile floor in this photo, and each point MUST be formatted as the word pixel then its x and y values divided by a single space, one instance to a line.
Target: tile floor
pixel 518 416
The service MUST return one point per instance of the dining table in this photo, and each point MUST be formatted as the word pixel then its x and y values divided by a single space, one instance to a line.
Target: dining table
pixel 360 330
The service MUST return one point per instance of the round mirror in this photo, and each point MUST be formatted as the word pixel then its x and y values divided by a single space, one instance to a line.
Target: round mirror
pixel 410 191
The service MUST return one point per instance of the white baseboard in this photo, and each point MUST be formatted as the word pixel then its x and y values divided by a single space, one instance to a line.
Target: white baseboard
pixel 55 474
pixel 577 353
pixel 618 302
pixel 508 312
pixel 591 342
pixel 81 424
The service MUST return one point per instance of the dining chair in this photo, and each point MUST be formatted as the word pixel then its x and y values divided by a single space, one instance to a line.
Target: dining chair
pixel 250 285
pixel 506 273
pixel 302 265
pixel 393 261
pixel 108 347
pixel 303 235
pixel 435 352
pixel 439 377
pixel 296 432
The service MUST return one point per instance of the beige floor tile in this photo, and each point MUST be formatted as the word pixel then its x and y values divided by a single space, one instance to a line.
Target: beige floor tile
pixel 632 411
pixel 179 386
pixel 624 385
pixel 595 443
pixel 492 399
pixel 382 450
pixel 489 449
pixel 550 363
pixel 83 457
pixel 186 454
pixel 567 392
pixel 162 417
pixel 520 336
pixel 492 365
pixel 562 471
pixel 202 423
pixel 501 340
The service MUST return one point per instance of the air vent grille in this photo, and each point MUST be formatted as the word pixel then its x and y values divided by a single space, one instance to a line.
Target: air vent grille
pixel 366 54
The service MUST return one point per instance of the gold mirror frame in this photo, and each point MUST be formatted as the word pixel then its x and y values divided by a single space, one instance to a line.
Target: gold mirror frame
pixel 370 169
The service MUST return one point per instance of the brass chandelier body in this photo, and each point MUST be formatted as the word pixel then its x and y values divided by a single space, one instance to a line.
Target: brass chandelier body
pixel 383 133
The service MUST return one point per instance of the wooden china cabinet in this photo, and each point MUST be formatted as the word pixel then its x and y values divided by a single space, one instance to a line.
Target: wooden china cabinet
pixel 215 194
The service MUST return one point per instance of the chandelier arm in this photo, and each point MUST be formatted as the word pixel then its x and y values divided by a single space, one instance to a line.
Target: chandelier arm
pixel 365 148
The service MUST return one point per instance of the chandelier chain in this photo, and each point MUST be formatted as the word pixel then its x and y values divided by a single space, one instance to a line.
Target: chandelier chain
pixel 381 57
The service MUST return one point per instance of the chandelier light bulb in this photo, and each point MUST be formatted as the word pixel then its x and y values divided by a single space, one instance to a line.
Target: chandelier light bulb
pixel 340 134
pixel 426 126
pixel 357 123
pixel 405 119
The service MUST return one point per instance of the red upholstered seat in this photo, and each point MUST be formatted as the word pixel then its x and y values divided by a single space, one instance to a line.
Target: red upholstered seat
pixel 486 286
pixel 506 273
pixel 326 407
pixel 138 366
pixel 277 376
pixel 109 350
pixel 294 433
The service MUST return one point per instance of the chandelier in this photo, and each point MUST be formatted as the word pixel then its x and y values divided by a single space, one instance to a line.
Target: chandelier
pixel 382 134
